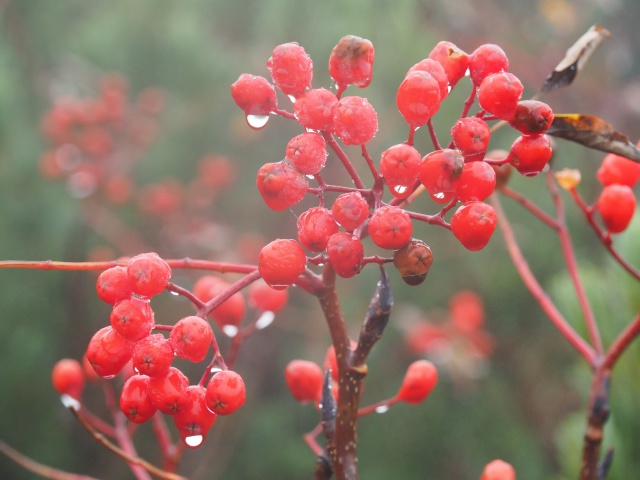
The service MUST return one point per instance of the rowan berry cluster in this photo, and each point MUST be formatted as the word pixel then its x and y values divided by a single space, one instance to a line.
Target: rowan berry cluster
pixel 460 173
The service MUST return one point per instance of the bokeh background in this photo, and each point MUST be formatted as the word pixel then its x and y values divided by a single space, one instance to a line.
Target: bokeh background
pixel 524 404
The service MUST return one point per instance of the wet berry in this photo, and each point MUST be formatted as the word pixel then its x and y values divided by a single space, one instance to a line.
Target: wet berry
pixel 307 153
pixel 355 121
pixel 280 185
pixel 315 226
pixel 454 61
pixel 418 98
pixel 291 68
pixel 148 274
pixel 191 338
pixel 281 262
pixel 418 382
pixel 351 62
pixel 413 261
pixel 529 154
pixel 225 392
pixel 254 95
pixel 390 227
pixel 473 224
pixel 350 210
pixel 304 379
pixel 153 355
pixel 68 377
pixel 616 205
pixel 314 109
pixel 345 253
pixel 485 60
pixel 135 401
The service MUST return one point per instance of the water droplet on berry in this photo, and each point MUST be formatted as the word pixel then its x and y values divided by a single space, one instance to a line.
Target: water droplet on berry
pixel 439 195
pixel 382 409
pixel 292 98
pixel 265 320
pixel 215 370
pixel 109 377
pixel 400 189
pixel 69 402
pixel 230 330
pixel 449 88
pixel 257 121
pixel 174 293
pixel 467 72
pixel 310 177
pixel 193 440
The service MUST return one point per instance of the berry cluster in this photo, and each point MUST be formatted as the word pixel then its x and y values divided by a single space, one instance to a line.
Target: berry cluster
pixel 460 175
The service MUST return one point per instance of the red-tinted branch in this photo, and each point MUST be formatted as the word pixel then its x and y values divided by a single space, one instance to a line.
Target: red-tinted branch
pixel 529 205
pixel 621 343
pixel 596 419
pixel 357 181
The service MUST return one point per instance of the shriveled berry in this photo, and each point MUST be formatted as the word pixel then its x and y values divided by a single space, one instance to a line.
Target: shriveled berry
pixel 498 470
pixel 616 205
pixel 399 165
pixel 153 355
pixel 499 94
pixel 148 274
pixel 315 226
pixel 195 420
pixel 351 62
pixel 132 318
pixel 229 312
pixel 307 153
pixel 291 68
pixel 135 401
pixel 440 171
pixel 350 210
pixel 281 262
pixel 454 60
pixel 485 60
pixel 477 182
pixel 617 169
pixel 529 154
pixel 191 337
pixel 67 377
pixel 108 352
pixel 418 382
pixel 314 109
pixel 280 185
pixel 413 261
pixel 390 227
pixel 471 136
pixel 113 285
pixel 532 117
pixel 355 121
pixel 418 98
pixel 262 297
pixel 345 253
pixel 254 95
pixel 304 379
pixel 473 224
pixel 168 393
pixel 225 392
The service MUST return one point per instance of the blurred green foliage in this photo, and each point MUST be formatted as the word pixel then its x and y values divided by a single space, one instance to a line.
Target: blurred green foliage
pixel 528 410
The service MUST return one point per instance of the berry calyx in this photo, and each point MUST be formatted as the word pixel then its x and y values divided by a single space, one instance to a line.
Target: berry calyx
pixel 390 227
pixel 225 392
pixel 418 382
pixel 413 261
pixel 153 355
pixel 68 378
pixel 113 285
pixel 291 68
pixel 148 274
pixel 616 205
pixel 473 224
pixel 168 393
pixel 190 338
pixel 351 62
pixel 346 253
pixel 281 262
pixel 280 185
pixel 132 318
pixel 195 420
pixel 304 379
pixel 135 400
pixel 355 121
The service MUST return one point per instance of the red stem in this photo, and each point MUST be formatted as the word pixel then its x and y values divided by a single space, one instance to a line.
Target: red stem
pixel 357 181
pixel 621 343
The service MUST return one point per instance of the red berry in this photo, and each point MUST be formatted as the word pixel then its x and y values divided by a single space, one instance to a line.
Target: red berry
pixel 89 371
pixel 108 352
pixel 399 165
pixel 169 393
pixel 280 185
pixel 281 262
pixel 113 285
pixel 420 379
pixel 532 117
pixel 67 377
pixel 304 379
pixel 485 60
pixel 617 169
pixel 132 318
pixel 453 60
pixel 350 210
pixel 254 95
pixel 390 227
pixel 315 226
pixel 314 109
pixel 148 274
pixel 466 311
pixel 225 392
pixel 307 153
pixel 616 205
pixel 196 419
pixel 477 182
pixel 424 338
pixel 229 312
pixel 471 136
pixel 440 171
pixel 191 337
pixel 413 261
pixel 153 355
pixel 263 297
pixel 473 224
pixel 291 68
pixel 345 253
pixel 351 62
pixel 530 153
pixel 436 70
pixel 499 94
pixel 418 98
pixel 498 470
pixel 355 121
pixel 135 401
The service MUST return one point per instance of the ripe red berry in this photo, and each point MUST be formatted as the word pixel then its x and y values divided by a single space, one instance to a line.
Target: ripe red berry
pixel 440 171
pixel 113 285
pixel 67 377
pixel 477 182
pixel 617 169
pixel 108 352
pixel 195 420
pixel 616 205
pixel 530 153
pixel 135 401
pixel 168 393
pixel 280 185
pixel 420 379
pixel 399 165
pixel 351 62
pixel 453 60
pixel 390 227
pixel 153 355
pixel 263 297
pixel 132 318
pixel 473 224
pixel 281 262
pixel 225 392
pixel 418 98
pixel 355 121
pixel 350 210
pixel 314 109
pixel 148 274
pixel 304 379
pixel 471 136
pixel 307 153
pixel 291 68
pixel 436 70
pixel 532 117
pixel 254 95
pixel 413 261
pixel 345 253
pixel 485 60
pixel 229 312
pixel 191 337
pixel 498 470
pixel 499 94
pixel 315 226
pixel 466 311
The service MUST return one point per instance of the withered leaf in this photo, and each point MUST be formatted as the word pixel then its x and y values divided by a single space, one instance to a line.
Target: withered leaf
pixel 593 132
pixel 575 58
